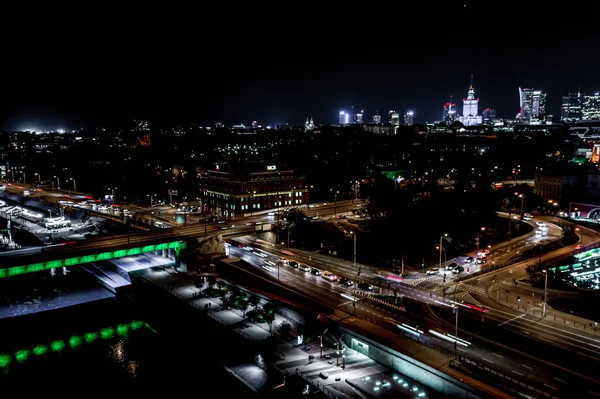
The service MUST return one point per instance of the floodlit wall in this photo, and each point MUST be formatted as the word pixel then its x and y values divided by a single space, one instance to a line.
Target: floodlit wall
pixel 410 367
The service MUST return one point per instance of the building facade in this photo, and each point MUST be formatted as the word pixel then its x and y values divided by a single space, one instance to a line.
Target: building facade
pixel 489 115
pixel 590 109
pixel 409 118
pixel 470 116
pixel 236 193
pixel 344 118
pixel 554 187
pixel 393 118
pixel 571 108
pixel 376 119
pixel 449 114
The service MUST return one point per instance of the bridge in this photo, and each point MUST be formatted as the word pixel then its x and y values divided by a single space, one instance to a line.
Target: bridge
pixel 172 241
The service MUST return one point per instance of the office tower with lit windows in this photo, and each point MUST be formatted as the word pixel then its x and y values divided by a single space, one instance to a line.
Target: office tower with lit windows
pixel 376 119
pixel 358 117
pixel 409 118
pixel 344 118
pixel 393 118
pixel 571 110
pixel 532 105
pixel 489 115
pixel 470 116
pixel 449 114
pixel 590 108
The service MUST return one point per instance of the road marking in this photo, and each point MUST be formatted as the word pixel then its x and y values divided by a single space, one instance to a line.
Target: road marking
pixel 516 372
pixel 513 319
pixel 549 386
pixel 487 360
pixel 500 356
pixel 461 349
pixel 558 379
pixel 527 367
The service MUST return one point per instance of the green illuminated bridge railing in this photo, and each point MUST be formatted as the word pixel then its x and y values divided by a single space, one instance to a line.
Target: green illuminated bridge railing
pixel 78 260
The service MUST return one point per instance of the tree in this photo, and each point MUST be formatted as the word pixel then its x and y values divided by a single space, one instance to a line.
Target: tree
pixel 284 330
pixel 269 310
pixel 254 300
pixel 244 305
pixel 211 281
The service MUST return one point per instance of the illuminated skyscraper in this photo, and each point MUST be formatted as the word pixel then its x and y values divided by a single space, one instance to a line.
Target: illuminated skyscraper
pixel 408 118
pixel 489 115
pixel 532 105
pixel 344 118
pixel 449 114
pixel 393 118
pixel 590 109
pixel 470 116
pixel 376 119
pixel 571 108
pixel 309 124
pixel 358 117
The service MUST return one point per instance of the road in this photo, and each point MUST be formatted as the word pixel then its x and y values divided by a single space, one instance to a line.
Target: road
pixel 232 226
pixel 527 363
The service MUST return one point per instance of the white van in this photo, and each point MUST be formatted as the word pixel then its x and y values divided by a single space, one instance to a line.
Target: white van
pixel 329 276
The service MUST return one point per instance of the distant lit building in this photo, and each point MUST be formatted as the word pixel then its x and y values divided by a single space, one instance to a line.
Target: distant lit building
pixel 358 117
pixel 145 140
pixel 532 105
pixel 408 118
pixel 571 110
pixel 449 114
pixel 376 119
pixel 591 106
pixel 236 193
pixel 254 124
pixel 344 118
pixel 470 116
pixel 309 124
pixel 393 118
pixel 489 115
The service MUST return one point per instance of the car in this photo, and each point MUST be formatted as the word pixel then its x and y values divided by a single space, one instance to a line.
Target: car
pixel 329 276
pixel 345 281
pixel 293 264
pixel 365 286
pixel 458 269
pixel 481 260
pixel 527 216
pixel 540 224
pixel 305 268
pixel 315 271
pixel 470 259
pixel 483 252
pixel 271 213
pixel 324 375
pixel 451 266
pixel 435 270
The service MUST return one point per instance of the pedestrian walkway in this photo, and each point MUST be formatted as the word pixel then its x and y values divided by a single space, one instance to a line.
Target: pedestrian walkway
pixel 531 301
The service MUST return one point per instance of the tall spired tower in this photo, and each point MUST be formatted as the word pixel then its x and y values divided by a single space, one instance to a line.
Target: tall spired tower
pixel 470 116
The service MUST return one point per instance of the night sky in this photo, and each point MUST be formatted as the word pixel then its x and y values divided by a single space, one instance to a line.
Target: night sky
pixel 236 64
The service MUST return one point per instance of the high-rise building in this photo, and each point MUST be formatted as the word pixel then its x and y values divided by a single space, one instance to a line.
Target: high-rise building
pixel 532 105
pixel 470 116
pixel 358 117
pixel 571 108
pixel 590 109
pixel 309 124
pixel 254 124
pixel 393 118
pixel 449 114
pixel 376 119
pixel 344 118
pixel 489 115
pixel 408 118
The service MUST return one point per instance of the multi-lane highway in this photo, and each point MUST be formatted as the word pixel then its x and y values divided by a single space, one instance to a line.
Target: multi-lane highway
pixel 231 226
pixel 494 342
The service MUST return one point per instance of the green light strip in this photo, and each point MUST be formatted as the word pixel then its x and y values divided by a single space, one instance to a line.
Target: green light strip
pixel 74 341
pixel 37 267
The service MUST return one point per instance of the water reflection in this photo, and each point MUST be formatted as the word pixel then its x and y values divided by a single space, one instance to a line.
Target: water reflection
pixel 118 352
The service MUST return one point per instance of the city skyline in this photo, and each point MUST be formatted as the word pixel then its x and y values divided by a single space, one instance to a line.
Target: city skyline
pixel 192 74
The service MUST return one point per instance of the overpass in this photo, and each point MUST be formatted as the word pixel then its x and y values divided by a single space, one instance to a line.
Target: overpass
pixel 31 260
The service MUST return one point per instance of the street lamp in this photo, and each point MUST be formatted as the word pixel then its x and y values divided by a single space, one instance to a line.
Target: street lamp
pixel 545 291
pixel 39 177
pixel 442 247
pixel 58 181
pixel 522 196
pixel 24 182
pixel 74 184
pixel 321 340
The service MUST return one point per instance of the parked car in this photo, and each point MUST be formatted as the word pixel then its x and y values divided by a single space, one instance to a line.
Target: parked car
pixel 305 268
pixel 435 270
pixel 346 281
pixel 365 286
pixel 329 276
pixel 316 272
pixel 293 264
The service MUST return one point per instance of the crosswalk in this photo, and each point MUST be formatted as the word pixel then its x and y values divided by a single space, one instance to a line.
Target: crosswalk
pixel 480 291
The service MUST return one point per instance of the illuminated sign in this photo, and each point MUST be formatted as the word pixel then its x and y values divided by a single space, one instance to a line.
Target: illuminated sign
pixel 271 167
